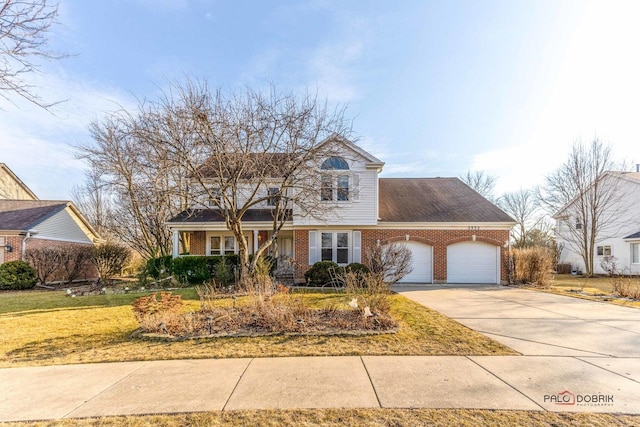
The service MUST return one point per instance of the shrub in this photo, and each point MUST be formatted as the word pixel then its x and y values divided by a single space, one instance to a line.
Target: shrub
pixel 368 290
pixel 110 259
pixel 626 287
pixel 533 265
pixel 159 267
pixel 356 267
pixel 191 269
pixel 160 315
pixel 322 273
pixel 17 275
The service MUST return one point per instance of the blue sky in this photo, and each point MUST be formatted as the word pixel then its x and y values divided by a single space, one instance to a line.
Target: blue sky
pixel 434 88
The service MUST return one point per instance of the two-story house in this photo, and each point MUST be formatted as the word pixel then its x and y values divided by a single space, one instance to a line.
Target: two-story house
pixel 617 238
pixel 454 234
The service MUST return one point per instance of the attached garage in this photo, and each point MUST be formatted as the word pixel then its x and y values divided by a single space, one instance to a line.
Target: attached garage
pixel 473 262
pixel 422 263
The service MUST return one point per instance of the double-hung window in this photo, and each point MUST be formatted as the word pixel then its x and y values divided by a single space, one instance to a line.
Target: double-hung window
pixel 335 247
pixel 334 185
pixel 222 245
pixel 272 196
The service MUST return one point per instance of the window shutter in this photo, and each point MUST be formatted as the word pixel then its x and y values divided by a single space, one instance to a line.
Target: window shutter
pixel 355 190
pixel 357 246
pixel 312 247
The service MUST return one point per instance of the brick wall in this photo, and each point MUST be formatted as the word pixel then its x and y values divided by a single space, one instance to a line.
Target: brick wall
pixel 198 243
pixel 89 272
pixel 301 253
pixel 438 239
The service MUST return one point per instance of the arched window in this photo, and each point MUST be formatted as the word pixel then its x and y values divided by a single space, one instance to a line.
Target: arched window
pixel 335 163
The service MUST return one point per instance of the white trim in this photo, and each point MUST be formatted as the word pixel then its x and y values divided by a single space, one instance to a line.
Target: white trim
pixel 357 247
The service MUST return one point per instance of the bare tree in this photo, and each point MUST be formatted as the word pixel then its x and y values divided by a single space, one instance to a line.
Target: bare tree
pixel 75 261
pixel 242 151
pixel 587 198
pixel 92 199
pixel 481 182
pixel 24 25
pixel 129 190
pixel 392 261
pixel 522 206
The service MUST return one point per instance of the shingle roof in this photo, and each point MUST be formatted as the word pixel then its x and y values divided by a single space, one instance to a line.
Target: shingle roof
pixel 213 215
pixel 25 214
pixel 633 236
pixel 434 200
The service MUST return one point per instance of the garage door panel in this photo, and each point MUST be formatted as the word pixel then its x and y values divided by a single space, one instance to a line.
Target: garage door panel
pixel 472 262
pixel 422 261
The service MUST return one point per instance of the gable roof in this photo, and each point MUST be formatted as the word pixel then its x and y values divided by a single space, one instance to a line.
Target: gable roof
pixel 435 200
pixel 24 215
pixel 4 170
pixel 633 236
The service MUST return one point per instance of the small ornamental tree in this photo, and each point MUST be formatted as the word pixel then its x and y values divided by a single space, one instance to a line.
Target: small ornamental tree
pixel 110 259
pixel 392 261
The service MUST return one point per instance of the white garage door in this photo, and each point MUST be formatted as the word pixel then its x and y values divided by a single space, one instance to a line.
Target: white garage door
pixel 422 263
pixel 473 262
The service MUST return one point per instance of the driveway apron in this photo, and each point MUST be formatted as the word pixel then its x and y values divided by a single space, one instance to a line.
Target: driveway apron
pixel 536 323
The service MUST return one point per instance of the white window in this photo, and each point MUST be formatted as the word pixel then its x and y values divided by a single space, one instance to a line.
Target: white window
pixel 635 253
pixel 334 247
pixel 603 250
pixel 222 245
pixel 335 185
pixel 214 198
pixel 343 188
pixel 272 198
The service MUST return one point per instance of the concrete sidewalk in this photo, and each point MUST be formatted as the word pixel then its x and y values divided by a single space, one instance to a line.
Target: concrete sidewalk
pixel 483 382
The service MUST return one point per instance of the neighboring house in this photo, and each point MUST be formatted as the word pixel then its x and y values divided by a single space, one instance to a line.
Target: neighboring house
pixel 454 234
pixel 12 188
pixel 27 222
pixel 618 240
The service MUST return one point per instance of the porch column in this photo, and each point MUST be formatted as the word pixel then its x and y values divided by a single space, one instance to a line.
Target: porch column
pixel 255 241
pixel 176 243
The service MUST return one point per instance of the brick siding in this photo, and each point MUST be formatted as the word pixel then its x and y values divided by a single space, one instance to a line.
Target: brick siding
pixel 438 239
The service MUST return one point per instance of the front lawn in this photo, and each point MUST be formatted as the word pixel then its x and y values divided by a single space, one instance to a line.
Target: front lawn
pixel 47 328
pixel 353 418
pixel 599 288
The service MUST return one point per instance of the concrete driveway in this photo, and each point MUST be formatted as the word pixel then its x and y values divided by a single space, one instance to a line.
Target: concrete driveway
pixel 536 323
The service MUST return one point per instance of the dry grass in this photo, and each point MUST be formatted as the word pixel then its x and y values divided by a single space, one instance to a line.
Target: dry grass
pixel 63 332
pixel 598 288
pixel 353 418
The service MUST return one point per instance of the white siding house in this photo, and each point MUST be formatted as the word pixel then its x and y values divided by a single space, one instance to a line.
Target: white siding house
pixel 618 239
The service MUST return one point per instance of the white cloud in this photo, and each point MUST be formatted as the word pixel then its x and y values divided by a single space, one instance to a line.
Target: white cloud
pixel 38 145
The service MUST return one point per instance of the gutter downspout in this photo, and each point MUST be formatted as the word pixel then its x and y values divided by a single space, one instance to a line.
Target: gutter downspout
pixel 30 233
